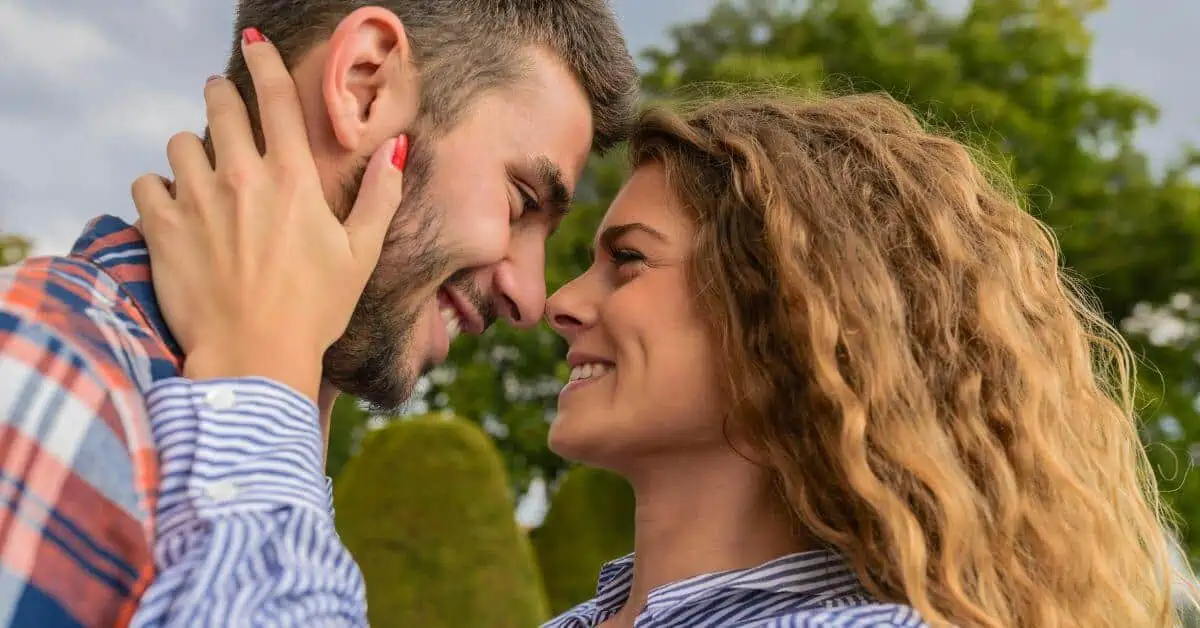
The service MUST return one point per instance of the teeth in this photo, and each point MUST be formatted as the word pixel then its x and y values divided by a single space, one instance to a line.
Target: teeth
pixel 453 324
pixel 587 371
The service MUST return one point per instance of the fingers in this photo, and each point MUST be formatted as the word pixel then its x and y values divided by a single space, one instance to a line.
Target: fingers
pixel 189 162
pixel 378 199
pixel 279 107
pixel 152 198
pixel 228 123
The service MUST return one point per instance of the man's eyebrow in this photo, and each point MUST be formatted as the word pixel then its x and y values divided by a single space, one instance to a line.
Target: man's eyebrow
pixel 557 198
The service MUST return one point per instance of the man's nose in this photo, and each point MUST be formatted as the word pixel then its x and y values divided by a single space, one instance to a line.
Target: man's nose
pixel 520 289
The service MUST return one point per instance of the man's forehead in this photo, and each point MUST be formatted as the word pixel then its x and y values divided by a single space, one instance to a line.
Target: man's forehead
pixel 550 117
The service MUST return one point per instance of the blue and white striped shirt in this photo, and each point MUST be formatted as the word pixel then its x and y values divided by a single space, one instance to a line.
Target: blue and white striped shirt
pixel 810 589
pixel 245 533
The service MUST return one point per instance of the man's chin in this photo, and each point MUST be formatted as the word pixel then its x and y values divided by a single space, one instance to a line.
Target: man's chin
pixel 383 405
pixel 385 390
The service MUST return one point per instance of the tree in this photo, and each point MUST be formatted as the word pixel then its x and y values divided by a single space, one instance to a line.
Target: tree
pixel 426 511
pixel 590 523
pixel 13 248
pixel 1009 76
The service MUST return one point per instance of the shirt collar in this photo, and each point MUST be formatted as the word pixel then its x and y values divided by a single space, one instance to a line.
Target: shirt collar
pixel 119 249
pixel 813 574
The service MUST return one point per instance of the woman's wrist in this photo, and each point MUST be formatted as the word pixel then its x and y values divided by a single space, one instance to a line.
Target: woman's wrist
pixel 289 363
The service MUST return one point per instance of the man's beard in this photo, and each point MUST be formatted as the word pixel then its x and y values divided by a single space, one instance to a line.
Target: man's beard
pixel 371 359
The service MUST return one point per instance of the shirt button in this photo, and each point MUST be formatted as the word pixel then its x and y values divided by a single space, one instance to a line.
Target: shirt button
pixel 224 490
pixel 221 398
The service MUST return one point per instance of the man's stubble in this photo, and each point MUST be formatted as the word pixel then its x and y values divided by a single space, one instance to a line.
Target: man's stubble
pixel 371 359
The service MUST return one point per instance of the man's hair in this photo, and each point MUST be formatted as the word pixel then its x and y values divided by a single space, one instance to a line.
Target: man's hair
pixel 465 47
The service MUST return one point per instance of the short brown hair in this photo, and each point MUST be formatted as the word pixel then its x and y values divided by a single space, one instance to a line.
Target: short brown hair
pixel 464 47
pixel 932 394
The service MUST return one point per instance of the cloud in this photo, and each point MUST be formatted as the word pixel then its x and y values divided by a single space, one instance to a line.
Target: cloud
pixel 51 44
pixel 146 118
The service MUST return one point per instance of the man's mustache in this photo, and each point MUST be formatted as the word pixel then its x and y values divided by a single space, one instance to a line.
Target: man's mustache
pixel 462 283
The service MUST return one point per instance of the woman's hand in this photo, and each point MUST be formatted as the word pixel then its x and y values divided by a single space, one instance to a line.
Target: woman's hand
pixel 253 272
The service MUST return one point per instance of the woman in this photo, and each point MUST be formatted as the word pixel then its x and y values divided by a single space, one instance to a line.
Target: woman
pixel 813 331
pixel 842 371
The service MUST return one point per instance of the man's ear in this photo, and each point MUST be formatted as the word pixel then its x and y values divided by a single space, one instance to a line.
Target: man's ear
pixel 370 84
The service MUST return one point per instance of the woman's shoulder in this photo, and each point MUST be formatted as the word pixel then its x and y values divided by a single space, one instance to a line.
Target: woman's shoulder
pixel 859 612
pixel 799 591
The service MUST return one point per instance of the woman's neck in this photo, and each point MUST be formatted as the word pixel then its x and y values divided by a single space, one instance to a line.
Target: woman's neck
pixel 704 517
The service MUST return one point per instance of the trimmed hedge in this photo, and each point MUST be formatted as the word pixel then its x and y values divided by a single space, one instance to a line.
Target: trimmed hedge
pixel 590 522
pixel 425 508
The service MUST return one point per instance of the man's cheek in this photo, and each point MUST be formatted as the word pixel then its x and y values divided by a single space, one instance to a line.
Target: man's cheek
pixel 487 239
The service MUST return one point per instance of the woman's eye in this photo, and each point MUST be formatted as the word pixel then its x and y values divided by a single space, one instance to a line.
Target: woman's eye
pixel 622 257
pixel 628 263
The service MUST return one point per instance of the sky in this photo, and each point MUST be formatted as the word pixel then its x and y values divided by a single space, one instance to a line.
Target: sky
pixel 91 91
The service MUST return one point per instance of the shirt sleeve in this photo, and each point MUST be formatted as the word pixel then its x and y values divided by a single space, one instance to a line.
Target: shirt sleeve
pixel 245 524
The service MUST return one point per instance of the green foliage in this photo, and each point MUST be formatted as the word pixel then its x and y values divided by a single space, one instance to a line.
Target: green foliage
pixel 1008 76
pixel 590 523
pixel 426 512
pixel 13 248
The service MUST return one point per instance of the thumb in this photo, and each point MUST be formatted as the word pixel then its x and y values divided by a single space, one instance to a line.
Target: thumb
pixel 378 199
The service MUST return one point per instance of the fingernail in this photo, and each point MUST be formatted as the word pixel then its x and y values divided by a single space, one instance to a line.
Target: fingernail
pixel 400 154
pixel 252 36
pixel 214 77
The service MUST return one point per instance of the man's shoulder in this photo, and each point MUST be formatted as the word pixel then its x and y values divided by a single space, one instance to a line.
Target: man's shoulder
pixel 67 306
pixel 69 349
pixel 73 363
pixel 80 465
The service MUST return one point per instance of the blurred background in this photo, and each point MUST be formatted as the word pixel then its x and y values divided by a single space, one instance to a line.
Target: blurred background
pixel 457 511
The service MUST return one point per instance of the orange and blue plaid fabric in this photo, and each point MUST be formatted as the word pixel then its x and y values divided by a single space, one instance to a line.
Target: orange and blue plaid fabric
pixel 78 467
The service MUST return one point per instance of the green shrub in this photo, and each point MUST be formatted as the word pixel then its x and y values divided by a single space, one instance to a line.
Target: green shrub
pixel 590 522
pixel 426 510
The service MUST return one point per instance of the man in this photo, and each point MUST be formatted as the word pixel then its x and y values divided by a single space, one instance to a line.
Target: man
pixel 183 492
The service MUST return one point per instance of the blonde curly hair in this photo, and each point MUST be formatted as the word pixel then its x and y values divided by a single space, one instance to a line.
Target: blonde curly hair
pixel 935 397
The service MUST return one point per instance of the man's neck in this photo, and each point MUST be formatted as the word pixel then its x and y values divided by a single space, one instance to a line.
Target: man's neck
pixel 325 400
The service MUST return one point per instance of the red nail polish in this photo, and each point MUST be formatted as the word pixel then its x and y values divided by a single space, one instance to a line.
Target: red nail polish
pixel 253 36
pixel 400 154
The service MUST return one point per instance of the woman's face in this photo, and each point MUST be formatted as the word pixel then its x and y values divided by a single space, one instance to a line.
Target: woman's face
pixel 643 378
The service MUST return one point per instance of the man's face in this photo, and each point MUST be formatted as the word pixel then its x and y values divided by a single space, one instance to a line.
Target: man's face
pixel 467 245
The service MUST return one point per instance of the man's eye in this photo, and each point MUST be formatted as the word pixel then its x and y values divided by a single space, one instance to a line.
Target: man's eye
pixel 528 202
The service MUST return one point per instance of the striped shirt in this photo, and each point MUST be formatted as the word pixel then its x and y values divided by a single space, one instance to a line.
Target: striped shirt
pixel 810 589
pixel 134 496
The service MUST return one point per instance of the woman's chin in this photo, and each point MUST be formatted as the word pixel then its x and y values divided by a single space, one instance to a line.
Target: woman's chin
pixel 575 437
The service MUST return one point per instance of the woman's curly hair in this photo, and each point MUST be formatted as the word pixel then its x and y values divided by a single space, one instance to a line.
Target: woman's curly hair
pixel 934 396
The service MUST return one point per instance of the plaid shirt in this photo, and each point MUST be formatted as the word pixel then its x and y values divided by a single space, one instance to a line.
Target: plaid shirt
pixel 135 496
